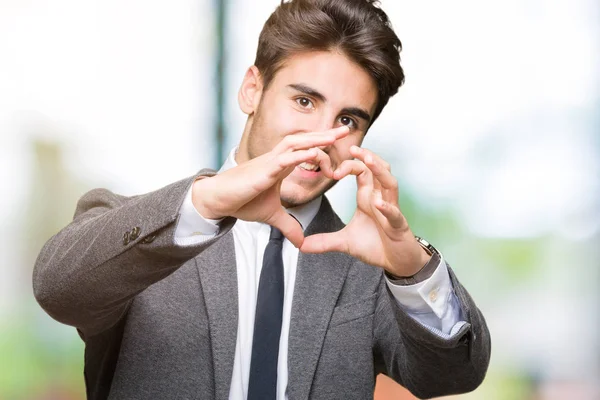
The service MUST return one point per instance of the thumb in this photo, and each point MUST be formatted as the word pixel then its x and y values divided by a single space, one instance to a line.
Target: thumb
pixel 289 227
pixel 324 242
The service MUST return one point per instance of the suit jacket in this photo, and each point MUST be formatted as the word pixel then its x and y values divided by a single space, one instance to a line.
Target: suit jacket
pixel 160 321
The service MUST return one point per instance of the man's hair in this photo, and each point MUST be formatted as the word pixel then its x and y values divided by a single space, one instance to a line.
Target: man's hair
pixel 359 29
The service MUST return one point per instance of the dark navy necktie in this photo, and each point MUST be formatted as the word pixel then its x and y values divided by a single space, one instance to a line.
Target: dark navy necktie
pixel 267 322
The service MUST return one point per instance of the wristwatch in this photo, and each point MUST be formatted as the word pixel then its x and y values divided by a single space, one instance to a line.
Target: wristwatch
pixel 425 272
pixel 427 246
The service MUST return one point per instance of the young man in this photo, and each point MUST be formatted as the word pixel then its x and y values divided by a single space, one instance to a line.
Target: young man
pixel 245 284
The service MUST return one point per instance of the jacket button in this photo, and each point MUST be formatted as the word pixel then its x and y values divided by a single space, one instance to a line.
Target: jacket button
pixel 148 239
pixel 135 233
pixel 126 239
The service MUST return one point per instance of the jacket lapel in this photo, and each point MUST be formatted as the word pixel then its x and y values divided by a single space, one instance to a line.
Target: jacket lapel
pixel 319 280
pixel 218 275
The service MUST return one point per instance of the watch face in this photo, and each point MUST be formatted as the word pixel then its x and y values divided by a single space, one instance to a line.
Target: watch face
pixel 427 246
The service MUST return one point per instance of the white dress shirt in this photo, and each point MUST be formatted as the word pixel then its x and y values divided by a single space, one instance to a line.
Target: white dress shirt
pixel 431 302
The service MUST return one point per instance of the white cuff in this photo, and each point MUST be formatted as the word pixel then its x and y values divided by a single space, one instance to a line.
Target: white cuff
pixel 431 302
pixel 192 227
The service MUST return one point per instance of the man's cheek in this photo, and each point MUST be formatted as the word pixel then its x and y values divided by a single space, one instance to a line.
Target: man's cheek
pixel 295 122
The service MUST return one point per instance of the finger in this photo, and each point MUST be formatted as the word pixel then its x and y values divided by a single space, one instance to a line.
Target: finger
pixel 361 151
pixel 384 178
pixel 324 162
pixel 293 158
pixel 350 167
pixel 390 211
pixel 354 167
pixel 289 227
pixel 325 242
pixel 381 171
pixel 313 139
pixel 376 201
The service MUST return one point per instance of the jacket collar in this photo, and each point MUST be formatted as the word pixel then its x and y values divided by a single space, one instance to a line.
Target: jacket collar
pixel 319 280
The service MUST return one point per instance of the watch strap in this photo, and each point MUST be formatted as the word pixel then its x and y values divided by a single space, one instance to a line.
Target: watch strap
pixel 422 275
pixel 425 272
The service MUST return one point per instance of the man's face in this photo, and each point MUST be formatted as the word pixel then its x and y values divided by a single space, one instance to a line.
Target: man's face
pixel 312 92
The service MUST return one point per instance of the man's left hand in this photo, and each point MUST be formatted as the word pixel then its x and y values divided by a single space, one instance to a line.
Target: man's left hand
pixel 378 234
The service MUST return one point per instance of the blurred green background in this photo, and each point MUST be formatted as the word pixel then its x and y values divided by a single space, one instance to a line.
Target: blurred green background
pixel 495 140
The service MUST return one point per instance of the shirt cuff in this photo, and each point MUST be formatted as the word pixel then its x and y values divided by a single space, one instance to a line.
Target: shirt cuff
pixel 431 302
pixel 193 228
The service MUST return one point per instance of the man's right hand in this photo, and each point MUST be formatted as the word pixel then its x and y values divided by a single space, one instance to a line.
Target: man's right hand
pixel 251 191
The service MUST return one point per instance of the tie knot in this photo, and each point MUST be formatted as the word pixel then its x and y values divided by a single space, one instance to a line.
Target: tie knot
pixel 275 234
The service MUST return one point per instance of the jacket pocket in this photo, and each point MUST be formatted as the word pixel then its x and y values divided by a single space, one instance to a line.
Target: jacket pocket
pixel 352 311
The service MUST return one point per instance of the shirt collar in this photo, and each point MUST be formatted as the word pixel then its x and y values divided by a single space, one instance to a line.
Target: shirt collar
pixel 303 213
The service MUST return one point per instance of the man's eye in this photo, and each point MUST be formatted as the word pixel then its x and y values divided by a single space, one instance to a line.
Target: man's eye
pixel 304 102
pixel 349 122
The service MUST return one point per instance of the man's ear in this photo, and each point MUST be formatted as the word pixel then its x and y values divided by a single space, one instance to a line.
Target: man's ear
pixel 250 91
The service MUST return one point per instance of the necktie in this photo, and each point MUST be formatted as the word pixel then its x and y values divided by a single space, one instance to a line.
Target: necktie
pixel 267 322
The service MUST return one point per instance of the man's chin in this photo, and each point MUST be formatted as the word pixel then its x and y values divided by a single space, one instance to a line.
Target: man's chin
pixel 294 194
pixel 294 201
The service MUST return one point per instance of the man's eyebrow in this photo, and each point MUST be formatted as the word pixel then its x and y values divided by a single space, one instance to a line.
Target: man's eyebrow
pixel 357 112
pixel 307 90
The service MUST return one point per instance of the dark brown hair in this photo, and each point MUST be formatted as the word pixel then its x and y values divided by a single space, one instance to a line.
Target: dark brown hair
pixel 358 28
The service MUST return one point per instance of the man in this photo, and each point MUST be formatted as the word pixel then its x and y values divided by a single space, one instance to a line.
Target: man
pixel 245 284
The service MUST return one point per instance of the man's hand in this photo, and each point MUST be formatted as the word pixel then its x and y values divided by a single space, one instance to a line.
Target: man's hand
pixel 251 191
pixel 378 234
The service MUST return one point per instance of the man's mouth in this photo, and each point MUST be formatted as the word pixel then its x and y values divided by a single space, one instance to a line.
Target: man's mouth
pixel 309 167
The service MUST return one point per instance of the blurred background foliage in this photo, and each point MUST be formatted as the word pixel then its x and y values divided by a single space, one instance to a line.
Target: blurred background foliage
pixel 494 140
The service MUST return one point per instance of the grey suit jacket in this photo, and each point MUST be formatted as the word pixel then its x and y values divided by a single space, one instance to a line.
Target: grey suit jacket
pixel 160 321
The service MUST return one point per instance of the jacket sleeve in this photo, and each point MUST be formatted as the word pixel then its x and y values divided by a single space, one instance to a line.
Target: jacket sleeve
pixel 424 362
pixel 88 273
